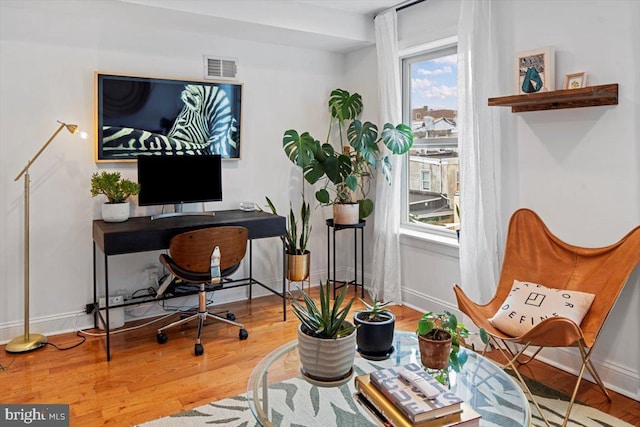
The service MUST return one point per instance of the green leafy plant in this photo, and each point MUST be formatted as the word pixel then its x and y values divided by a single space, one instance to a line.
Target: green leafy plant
pixel 350 167
pixel 112 185
pixel 376 311
pixel 326 321
pixel 438 327
pixel 295 244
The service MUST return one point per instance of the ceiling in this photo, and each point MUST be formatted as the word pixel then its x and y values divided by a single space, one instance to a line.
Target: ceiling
pixel 332 25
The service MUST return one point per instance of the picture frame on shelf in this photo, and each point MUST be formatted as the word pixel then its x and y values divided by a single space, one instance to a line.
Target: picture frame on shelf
pixel 142 116
pixel 575 80
pixel 535 71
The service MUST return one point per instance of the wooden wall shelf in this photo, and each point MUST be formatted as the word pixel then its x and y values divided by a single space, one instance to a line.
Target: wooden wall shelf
pixel 568 98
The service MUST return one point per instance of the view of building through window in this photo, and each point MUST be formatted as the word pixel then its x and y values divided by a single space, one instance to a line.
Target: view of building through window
pixel 432 182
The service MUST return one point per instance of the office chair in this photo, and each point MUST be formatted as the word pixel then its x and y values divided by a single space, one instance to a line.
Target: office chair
pixel 189 259
pixel 533 254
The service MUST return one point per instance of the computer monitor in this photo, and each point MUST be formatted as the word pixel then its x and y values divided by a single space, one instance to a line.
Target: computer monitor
pixel 179 179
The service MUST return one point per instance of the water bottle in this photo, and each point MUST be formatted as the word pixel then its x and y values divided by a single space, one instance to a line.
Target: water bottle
pixel 215 265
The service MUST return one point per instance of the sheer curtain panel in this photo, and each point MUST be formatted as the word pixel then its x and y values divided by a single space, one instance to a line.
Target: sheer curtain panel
pixel 386 245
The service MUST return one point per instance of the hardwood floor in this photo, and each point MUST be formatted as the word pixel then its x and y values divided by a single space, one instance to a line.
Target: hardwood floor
pixel 145 380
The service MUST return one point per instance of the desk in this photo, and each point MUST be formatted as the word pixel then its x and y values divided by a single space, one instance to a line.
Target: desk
pixel 141 234
pixel 278 394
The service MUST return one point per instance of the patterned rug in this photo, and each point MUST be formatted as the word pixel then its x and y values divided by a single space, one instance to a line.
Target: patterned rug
pixel 338 409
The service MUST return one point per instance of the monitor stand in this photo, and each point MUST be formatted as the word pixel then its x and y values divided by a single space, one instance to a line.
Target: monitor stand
pixel 178 211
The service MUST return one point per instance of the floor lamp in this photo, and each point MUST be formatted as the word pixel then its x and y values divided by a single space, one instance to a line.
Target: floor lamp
pixel 29 342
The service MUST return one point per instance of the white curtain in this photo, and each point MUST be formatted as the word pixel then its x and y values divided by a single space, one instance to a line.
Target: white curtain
pixel 386 246
pixel 478 139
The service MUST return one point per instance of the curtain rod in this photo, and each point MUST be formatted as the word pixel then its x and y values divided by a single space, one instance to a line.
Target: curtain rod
pixel 401 6
pixel 408 4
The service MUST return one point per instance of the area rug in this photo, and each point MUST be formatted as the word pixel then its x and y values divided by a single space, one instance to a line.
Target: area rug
pixel 338 409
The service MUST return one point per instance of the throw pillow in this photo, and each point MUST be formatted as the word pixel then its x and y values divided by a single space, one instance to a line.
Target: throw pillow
pixel 530 303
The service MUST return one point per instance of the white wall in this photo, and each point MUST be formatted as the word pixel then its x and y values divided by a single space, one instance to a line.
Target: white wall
pixel 49 53
pixel 578 168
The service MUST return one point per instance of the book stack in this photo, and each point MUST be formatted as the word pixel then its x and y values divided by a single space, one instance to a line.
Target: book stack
pixel 397 403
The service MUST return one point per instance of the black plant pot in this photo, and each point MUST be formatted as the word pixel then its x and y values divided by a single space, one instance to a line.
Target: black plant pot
pixel 374 338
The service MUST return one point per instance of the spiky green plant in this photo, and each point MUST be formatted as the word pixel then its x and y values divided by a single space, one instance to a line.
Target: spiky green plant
pixel 327 321
pixel 376 311
pixel 294 244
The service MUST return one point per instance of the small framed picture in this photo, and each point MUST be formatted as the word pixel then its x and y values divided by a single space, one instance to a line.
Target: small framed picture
pixel 535 71
pixel 575 80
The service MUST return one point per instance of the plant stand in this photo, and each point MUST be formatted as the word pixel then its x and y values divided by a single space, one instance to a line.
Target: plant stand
pixel 296 292
pixel 331 230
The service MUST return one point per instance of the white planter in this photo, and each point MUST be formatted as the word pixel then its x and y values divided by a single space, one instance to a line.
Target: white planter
pixel 326 360
pixel 346 214
pixel 115 212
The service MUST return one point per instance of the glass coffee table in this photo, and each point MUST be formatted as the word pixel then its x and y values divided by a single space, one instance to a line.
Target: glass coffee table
pixel 278 394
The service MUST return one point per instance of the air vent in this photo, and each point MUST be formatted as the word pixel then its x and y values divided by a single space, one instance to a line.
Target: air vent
pixel 219 68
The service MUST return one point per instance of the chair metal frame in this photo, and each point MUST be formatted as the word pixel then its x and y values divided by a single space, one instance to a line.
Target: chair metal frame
pixel 190 260
pixel 534 254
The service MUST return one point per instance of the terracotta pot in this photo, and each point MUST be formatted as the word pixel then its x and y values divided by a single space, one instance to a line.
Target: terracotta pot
pixel 375 339
pixel 346 214
pixel 434 354
pixel 326 360
pixel 115 212
pixel 298 266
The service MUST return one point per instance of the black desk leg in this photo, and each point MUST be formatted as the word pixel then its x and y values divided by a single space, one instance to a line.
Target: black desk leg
pixel 250 268
pixel 107 323
pixel 95 289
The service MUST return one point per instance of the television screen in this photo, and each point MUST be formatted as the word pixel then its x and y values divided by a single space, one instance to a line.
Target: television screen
pixel 179 179
pixel 139 116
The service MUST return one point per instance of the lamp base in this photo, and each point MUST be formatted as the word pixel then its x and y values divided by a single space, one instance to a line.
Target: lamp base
pixel 20 345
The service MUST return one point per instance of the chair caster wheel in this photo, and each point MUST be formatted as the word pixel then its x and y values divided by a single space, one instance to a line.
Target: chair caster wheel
pixel 162 338
pixel 198 350
pixel 243 334
pixel 231 316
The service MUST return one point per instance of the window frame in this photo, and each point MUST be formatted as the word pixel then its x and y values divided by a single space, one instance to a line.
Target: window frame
pixel 407 57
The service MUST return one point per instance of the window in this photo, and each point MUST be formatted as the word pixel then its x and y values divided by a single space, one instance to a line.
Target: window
pixel 431 183
pixel 426 180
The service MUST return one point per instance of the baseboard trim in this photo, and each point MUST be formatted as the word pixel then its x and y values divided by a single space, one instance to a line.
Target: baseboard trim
pixel 617 378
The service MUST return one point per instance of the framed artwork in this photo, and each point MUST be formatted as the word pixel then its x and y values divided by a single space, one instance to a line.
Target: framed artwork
pixel 142 116
pixel 575 80
pixel 535 71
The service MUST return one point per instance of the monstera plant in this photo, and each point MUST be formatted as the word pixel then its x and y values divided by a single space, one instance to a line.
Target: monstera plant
pixel 352 151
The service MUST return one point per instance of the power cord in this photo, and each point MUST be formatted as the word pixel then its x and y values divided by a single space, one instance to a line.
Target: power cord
pixel 132 328
pixel 70 347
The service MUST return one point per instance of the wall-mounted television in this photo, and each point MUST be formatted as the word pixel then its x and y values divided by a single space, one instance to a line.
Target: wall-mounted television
pixel 142 116
pixel 177 180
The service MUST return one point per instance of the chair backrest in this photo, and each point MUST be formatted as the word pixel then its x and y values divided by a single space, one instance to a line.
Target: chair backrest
pixel 192 250
pixel 534 254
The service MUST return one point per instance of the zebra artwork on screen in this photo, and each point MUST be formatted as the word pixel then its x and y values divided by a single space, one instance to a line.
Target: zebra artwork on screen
pixel 142 116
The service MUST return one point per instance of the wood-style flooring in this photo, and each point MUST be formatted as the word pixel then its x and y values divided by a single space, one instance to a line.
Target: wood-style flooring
pixel 145 380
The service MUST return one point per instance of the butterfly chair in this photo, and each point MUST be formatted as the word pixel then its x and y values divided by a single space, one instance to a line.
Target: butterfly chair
pixel 190 260
pixel 535 255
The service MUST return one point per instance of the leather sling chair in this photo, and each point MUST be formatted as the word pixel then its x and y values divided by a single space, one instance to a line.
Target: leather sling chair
pixel 534 254
pixel 190 259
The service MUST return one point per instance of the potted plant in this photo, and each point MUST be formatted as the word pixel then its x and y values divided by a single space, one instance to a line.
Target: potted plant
pixel 326 340
pixel 349 167
pixel 439 338
pixel 375 325
pixel 117 190
pixel 295 245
